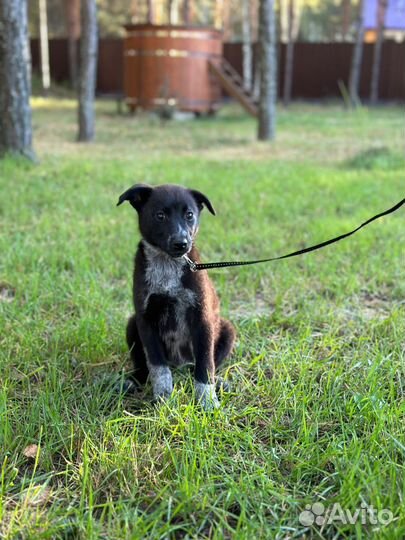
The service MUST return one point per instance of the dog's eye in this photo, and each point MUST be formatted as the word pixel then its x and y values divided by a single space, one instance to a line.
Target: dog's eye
pixel 160 216
pixel 189 216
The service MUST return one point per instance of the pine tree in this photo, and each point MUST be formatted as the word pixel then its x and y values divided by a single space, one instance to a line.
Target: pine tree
pixel 268 70
pixel 88 69
pixel 15 80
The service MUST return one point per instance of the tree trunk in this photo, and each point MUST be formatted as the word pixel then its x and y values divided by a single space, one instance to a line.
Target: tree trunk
pixel 72 17
pixel 15 83
pixel 169 11
pixel 134 11
pixel 247 46
pixel 172 12
pixel 375 75
pixel 150 12
pixel 355 70
pixel 268 70
pixel 43 34
pixel 88 69
pixel 289 59
pixel 186 11
pixel 255 37
pixel 220 9
pixel 256 77
pixel 346 15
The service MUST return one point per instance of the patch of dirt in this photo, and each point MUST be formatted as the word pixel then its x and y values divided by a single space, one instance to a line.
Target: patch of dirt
pixel 258 307
pixel 369 306
pixel 375 305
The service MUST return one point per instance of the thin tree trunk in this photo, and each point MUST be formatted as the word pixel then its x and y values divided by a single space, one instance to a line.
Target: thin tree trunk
pixel 169 11
pixel 289 59
pixel 355 69
pixel 15 82
pixel 256 77
pixel 375 75
pixel 72 17
pixel 254 19
pixel 150 12
pixel 346 13
pixel 247 45
pixel 223 18
pixel 43 34
pixel 172 12
pixel 268 70
pixel 283 21
pixel 88 70
pixel 255 36
pixel 134 11
pixel 220 8
pixel 187 11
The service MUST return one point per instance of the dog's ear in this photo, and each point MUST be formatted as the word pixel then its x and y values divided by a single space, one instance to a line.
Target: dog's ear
pixel 137 195
pixel 201 199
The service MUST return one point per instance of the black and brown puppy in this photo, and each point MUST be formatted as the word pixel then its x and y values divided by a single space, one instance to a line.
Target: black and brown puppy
pixel 176 316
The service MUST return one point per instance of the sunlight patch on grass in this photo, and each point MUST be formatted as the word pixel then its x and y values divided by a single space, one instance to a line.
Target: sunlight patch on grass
pixel 52 104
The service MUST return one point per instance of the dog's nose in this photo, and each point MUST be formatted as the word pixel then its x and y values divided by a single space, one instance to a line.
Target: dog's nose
pixel 182 244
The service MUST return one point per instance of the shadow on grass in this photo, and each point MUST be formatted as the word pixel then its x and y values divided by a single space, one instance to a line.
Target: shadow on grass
pixel 380 158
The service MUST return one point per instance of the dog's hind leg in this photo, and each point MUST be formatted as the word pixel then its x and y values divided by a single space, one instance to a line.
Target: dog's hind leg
pixel 225 342
pixel 223 348
pixel 140 373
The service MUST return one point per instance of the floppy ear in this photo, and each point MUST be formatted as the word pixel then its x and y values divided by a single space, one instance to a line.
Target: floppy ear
pixel 201 199
pixel 137 195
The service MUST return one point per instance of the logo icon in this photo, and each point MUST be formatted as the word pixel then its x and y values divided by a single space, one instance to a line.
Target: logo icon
pixel 312 514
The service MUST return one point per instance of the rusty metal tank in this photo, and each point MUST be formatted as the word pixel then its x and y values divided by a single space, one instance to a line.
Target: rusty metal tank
pixel 169 65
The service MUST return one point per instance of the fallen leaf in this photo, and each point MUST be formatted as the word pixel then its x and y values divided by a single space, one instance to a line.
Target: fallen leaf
pixel 31 451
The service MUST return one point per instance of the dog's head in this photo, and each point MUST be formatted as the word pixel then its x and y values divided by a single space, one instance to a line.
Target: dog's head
pixel 168 215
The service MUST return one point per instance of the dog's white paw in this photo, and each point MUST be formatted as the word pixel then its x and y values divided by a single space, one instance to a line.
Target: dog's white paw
pixel 206 396
pixel 162 381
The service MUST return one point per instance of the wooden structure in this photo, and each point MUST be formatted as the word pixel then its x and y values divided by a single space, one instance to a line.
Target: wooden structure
pixel 179 66
pixel 169 65
pixel 232 83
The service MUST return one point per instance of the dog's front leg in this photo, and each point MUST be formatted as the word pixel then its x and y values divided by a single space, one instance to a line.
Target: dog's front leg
pixel 159 372
pixel 203 347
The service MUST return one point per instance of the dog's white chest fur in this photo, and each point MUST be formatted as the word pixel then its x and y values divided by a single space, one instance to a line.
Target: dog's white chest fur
pixel 163 275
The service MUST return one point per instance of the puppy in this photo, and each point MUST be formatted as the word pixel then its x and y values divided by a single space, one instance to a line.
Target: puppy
pixel 176 316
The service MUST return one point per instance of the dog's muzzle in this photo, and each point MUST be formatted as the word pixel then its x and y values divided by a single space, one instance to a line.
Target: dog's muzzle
pixel 179 246
pixel 179 252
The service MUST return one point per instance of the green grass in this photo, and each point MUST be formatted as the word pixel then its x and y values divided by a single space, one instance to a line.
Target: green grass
pixel 316 412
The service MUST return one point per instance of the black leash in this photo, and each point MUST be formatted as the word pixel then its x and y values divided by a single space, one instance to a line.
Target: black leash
pixel 194 267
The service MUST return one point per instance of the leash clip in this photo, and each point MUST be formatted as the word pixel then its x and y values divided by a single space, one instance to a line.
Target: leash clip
pixel 191 264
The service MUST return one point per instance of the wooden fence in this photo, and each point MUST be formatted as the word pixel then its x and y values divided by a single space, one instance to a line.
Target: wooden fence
pixel 318 67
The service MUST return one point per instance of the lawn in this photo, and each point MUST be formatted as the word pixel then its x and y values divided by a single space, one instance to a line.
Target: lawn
pixel 316 408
